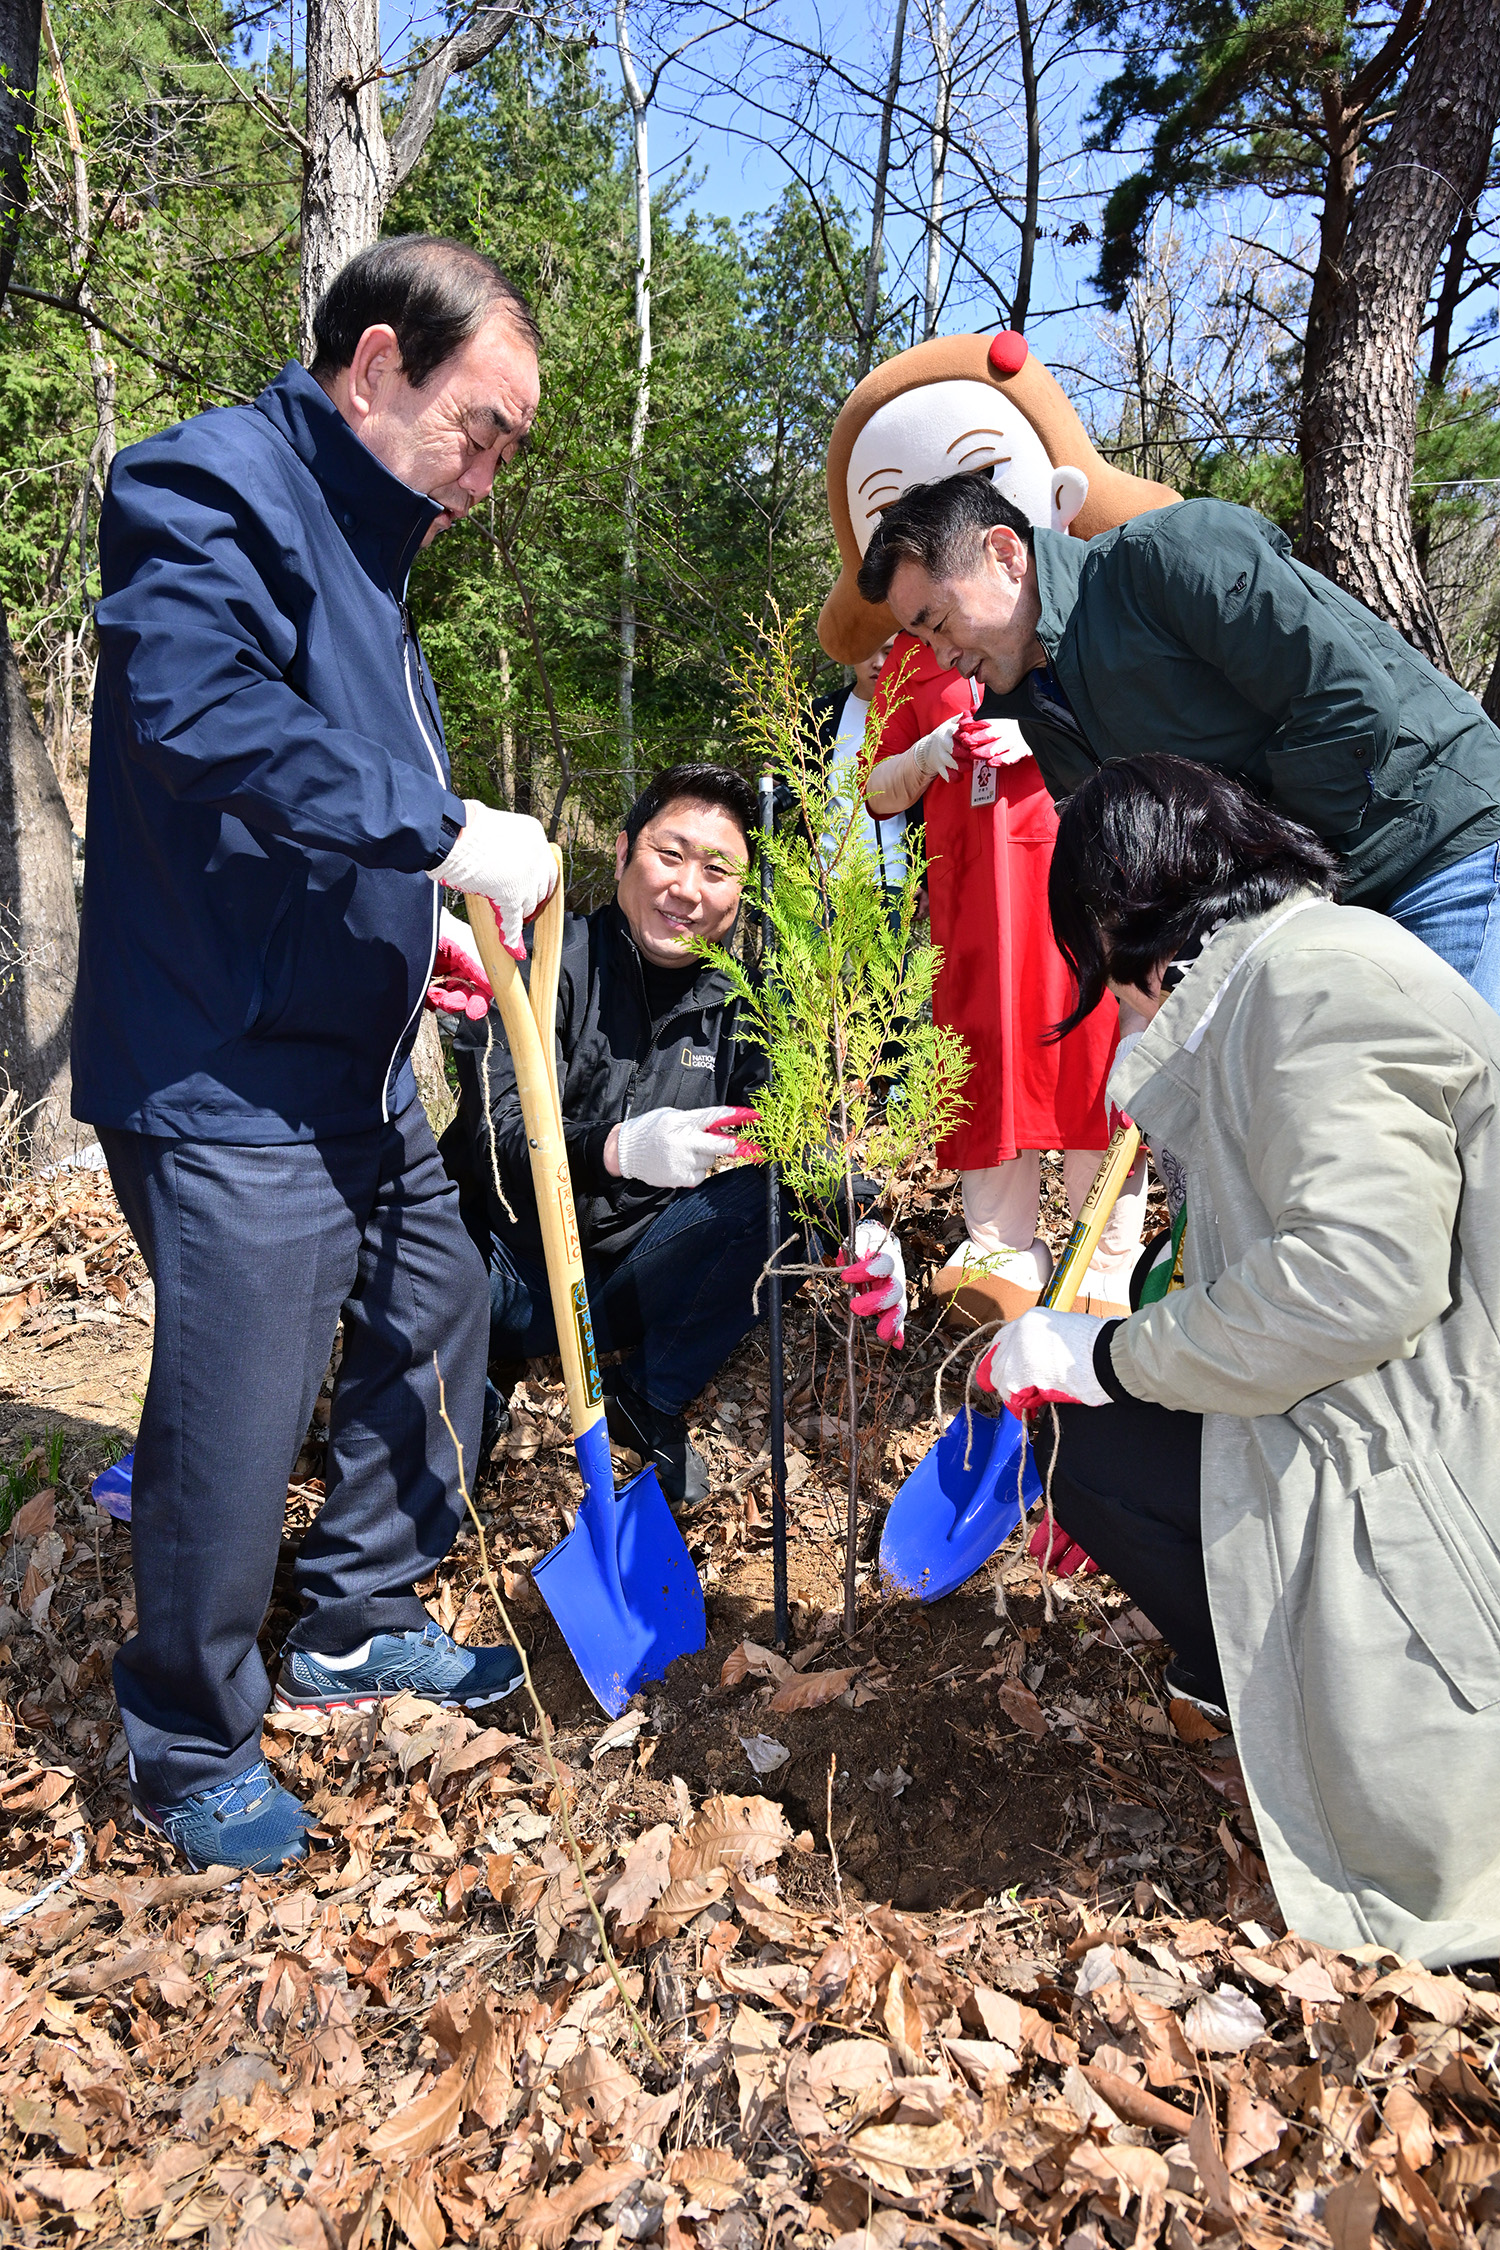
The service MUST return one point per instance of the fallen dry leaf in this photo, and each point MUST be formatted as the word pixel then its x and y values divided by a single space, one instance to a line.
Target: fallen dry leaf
pixel 713 2177
pixel 548 2220
pixel 730 1832
pixel 759 2065
pixel 1223 2022
pixel 594 2081
pixel 36 1519
pixel 412 2204
pixel 16 1309
pixel 807 1691
pixel 1190 1722
pixel 1252 2127
pixel 916 2148
pixel 748 1660
pixel 67 2189
pixel 643 1878
pixel 1020 1704
pixel 846 2069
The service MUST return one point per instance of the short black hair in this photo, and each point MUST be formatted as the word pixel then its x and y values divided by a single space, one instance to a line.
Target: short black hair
pixel 938 526
pixel 435 293
pixel 699 785
pixel 1153 851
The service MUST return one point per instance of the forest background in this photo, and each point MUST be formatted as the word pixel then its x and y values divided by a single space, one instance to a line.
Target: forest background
pixel 1156 192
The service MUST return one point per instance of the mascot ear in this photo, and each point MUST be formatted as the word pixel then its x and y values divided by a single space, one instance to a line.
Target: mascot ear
pixel 1070 488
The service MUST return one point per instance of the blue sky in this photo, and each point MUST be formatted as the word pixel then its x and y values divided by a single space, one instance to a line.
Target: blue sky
pixel 733 175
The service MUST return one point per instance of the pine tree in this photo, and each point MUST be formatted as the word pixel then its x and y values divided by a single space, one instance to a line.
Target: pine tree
pixel 861 1081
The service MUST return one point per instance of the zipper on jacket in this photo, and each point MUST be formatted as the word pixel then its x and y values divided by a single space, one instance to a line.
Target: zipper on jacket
pixel 437 888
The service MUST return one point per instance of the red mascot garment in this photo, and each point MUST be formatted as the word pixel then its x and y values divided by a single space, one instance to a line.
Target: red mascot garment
pixel 1003 982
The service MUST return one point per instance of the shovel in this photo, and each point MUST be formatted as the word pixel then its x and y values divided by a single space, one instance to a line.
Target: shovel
pixel 621 1586
pixel 961 1501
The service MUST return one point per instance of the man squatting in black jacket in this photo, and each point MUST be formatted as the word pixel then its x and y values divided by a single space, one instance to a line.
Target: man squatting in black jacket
pixel 655 1074
pixel 270 818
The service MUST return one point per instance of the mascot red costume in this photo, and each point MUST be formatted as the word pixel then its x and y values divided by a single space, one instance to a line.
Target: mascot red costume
pixel 987 406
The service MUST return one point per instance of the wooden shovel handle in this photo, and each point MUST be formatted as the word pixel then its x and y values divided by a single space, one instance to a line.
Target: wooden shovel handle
pixel 1114 1170
pixel 535 1067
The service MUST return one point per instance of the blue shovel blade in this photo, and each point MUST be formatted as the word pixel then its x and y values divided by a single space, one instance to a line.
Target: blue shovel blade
pixel 622 1586
pixel 956 1507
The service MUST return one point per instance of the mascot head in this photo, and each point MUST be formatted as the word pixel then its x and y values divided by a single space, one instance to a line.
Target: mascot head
pixel 984 404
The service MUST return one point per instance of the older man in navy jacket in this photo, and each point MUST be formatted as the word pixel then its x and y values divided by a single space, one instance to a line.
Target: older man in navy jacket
pixel 270 821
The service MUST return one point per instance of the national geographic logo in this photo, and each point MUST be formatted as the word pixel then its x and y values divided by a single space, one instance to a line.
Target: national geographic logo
pixel 693 1061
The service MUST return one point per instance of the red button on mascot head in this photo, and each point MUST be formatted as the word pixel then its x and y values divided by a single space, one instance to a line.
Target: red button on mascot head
pixel 986 406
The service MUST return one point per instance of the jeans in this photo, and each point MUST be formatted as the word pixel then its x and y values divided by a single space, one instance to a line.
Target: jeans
pixel 1127 1486
pixel 255 1253
pixel 1457 913
pixel 678 1299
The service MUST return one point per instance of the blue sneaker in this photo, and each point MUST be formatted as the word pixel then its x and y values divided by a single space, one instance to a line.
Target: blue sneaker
pixel 428 1664
pixel 249 1822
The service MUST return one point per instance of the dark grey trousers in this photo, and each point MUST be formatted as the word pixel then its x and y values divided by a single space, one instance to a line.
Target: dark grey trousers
pixel 255 1253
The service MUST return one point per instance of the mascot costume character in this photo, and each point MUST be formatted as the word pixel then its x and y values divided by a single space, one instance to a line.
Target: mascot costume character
pixel 987 406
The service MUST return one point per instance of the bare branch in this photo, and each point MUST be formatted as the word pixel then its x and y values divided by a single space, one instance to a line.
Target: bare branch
pixel 459 51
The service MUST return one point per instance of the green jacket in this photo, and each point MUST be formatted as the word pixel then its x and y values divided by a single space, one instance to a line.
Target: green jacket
pixel 1192 630
pixel 1331 1092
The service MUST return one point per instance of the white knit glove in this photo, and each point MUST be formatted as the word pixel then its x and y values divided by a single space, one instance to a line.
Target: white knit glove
pixel 506 857
pixel 880 1267
pixel 1044 1357
pixel 678 1148
pixel 933 757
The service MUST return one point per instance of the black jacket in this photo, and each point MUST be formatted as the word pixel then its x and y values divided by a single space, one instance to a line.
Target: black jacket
pixel 268 784
pixel 613 1061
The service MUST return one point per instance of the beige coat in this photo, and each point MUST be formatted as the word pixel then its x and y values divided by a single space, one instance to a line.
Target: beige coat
pixel 1331 1090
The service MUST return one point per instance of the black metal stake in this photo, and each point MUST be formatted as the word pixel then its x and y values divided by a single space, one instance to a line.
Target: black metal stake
pixel 773 1281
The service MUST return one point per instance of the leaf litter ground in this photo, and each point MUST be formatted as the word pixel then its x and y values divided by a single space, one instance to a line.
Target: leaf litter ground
pixel 1036 1991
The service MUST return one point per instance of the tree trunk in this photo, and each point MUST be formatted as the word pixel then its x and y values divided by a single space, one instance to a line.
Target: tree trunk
pixel 876 259
pixel 349 169
pixel 346 169
pixel 38 926
pixel 629 558
pixel 1360 406
pixel 20 51
pixel 38 913
pixel 1021 302
pixel 942 63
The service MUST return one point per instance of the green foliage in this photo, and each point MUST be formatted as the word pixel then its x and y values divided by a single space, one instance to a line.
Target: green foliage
pixel 529 161
pixel 861 1081
pixel 1269 482
pixel 1235 93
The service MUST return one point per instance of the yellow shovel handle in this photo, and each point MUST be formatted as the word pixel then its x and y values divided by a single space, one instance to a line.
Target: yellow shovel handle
pixel 535 1066
pixel 1114 1170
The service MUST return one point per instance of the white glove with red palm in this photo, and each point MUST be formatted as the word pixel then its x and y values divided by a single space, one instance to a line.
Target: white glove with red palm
pixel 1044 1358
pixel 459 985
pixel 879 1266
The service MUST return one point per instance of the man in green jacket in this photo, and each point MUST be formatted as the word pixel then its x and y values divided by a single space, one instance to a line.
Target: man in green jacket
pixel 1193 630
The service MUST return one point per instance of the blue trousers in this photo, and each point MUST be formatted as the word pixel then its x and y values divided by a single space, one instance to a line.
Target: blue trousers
pixel 1457 913
pixel 678 1300
pixel 255 1253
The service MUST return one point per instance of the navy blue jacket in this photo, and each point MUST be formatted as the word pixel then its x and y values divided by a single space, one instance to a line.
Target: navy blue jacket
pixel 267 784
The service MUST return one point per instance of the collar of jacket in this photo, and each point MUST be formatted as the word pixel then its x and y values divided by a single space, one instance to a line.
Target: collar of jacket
pixel 1157 1083
pixel 1059 567
pixel 710 988
pixel 374 509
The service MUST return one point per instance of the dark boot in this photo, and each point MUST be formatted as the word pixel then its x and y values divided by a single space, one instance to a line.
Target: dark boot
pixel 661 1440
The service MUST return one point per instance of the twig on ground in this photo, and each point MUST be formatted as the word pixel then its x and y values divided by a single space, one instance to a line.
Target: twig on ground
pixel 833 1850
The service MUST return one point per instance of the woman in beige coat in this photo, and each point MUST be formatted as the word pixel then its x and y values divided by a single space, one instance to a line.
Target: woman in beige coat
pixel 1293 1458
